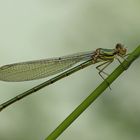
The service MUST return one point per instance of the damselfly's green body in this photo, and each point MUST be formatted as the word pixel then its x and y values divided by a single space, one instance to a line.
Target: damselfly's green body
pixel 25 71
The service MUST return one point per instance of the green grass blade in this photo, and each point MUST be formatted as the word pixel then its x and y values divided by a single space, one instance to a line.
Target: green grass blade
pixel 98 91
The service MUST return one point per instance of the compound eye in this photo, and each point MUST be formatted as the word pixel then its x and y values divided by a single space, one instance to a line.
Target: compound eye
pixel 119 46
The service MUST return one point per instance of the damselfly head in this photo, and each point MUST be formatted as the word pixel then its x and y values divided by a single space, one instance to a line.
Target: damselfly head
pixel 120 49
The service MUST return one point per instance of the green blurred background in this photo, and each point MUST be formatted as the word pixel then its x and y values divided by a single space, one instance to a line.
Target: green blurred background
pixel 36 29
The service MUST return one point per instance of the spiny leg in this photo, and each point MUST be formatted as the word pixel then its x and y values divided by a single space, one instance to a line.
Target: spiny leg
pixel 126 55
pixel 123 57
pixel 121 62
pixel 102 70
pixel 118 59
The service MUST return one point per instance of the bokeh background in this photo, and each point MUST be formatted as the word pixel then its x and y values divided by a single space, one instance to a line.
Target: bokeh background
pixel 36 29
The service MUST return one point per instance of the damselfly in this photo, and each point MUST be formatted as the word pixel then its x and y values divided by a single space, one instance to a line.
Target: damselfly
pixel 37 69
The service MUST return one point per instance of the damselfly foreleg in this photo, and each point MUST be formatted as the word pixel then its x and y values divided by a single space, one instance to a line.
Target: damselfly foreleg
pixel 120 60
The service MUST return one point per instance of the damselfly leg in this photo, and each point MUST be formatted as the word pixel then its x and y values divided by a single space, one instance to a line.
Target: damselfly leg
pixel 123 57
pixel 105 64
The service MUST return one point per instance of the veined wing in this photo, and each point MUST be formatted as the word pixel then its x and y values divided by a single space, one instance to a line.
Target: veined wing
pixel 37 69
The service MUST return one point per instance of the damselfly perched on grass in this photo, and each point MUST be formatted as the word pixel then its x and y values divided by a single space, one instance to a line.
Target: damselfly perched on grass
pixel 37 69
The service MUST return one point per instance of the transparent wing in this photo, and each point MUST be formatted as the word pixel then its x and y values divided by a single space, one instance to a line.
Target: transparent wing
pixel 37 69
